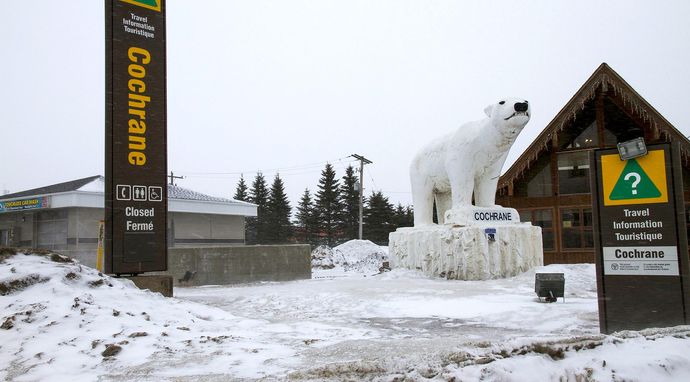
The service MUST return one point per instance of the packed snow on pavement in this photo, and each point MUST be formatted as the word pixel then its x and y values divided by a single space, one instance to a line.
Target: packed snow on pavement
pixel 61 320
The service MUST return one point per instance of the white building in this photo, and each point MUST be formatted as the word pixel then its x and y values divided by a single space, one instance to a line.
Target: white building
pixel 65 217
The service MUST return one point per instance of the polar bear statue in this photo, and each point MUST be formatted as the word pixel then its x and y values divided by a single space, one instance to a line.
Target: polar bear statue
pixel 468 160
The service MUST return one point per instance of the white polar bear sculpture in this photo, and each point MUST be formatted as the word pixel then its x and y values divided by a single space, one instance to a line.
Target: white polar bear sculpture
pixel 470 159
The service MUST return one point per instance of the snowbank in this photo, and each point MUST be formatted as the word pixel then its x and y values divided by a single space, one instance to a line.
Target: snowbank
pixel 61 320
pixel 358 256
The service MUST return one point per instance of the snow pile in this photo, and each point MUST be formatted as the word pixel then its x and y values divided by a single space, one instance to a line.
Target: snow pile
pixel 62 321
pixel 650 355
pixel 59 319
pixel 322 257
pixel 358 256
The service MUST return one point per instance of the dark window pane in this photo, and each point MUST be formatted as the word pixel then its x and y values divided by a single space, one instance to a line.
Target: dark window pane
pixel 525 216
pixel 573 173
pixel 547 240
pixel 570 218
pixel 589 137
pixel 543 218
pixel 588 239
pixel 619 127
pixel 536 181
pixel 540 184
pixel 610 138
pixel 581 130
pixel 587 213
pixel 571 238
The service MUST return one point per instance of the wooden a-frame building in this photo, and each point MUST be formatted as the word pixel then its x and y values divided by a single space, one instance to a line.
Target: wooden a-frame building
pixel 549 184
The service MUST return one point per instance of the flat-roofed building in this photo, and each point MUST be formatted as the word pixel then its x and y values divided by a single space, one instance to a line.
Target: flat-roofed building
pixel 65 217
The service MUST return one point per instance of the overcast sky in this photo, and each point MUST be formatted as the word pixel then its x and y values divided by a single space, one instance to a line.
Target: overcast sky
pixel 288 85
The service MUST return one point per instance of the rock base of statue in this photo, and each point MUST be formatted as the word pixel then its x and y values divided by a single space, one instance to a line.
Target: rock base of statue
pixel 475 244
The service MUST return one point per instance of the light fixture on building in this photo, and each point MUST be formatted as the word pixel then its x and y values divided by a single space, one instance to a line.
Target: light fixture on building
pixel 632 149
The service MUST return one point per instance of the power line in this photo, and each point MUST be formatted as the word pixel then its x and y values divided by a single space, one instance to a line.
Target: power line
pixel 283 174
pixel 271 170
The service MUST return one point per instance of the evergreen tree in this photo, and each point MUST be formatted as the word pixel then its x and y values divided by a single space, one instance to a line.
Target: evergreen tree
pixel 402 217
pixel 350 198
pixel 241 190
pixel 409 216
pixel 306 221
pixel 328 205
pixel 278 227
pixel 256 227
pixel 378 216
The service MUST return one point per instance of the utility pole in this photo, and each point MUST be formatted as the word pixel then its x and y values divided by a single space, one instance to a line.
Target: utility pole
pixel 362 161
pixel 173 177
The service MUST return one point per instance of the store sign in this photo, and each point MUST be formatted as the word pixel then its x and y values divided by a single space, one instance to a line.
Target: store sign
pixel 640 240
pixel 136 155
pixel 24 204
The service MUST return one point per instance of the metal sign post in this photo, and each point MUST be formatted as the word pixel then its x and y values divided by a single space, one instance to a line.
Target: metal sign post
pixel 641 240
pixel 136 154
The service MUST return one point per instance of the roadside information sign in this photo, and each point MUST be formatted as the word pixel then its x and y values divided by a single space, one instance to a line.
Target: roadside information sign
pixel 640 237
pixel 136 154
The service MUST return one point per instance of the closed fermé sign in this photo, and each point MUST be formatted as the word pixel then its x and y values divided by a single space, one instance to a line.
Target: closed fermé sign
pixel 136 155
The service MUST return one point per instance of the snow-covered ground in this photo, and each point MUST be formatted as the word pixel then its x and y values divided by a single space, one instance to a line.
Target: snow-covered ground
pixel 63 321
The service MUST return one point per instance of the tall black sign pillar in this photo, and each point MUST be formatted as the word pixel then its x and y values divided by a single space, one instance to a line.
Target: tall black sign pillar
pixel 640 239
pixel 136 155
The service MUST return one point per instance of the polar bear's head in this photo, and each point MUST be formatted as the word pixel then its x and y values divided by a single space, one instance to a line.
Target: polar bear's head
pixel 510 115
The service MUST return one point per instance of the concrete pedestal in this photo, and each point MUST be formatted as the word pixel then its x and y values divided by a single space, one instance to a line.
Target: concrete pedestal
pixel 474 252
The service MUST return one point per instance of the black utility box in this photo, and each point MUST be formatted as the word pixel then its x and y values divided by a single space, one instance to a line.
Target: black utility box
pixel 550 286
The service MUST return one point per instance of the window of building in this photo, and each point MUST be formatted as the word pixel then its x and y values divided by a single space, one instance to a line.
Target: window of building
pixel 573 172
pixel 581 132
pixel 544 219
pixel 51 229
pixel 537 180
pixel 618 126
pixel 589 137
pixel 576 228
pixel 540 184
pixel 4 237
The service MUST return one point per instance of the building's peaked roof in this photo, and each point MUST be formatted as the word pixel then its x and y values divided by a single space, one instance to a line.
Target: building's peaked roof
pixel 72 185
pixel 604 79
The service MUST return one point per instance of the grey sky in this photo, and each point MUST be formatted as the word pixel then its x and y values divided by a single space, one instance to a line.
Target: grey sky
pixel 266 85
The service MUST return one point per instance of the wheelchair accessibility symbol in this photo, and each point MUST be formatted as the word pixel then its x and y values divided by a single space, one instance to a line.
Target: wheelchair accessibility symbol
pixel 155 193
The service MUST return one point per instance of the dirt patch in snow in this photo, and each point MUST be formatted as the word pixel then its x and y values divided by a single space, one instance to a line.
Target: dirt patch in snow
pixel 12 285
